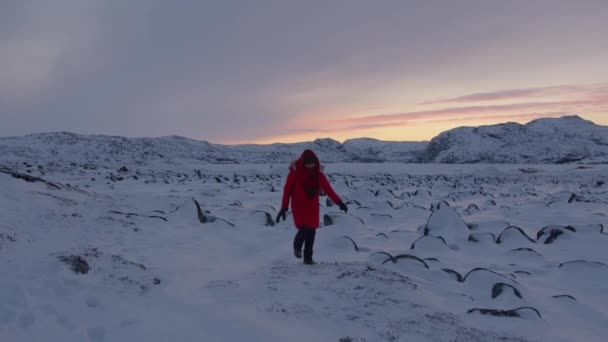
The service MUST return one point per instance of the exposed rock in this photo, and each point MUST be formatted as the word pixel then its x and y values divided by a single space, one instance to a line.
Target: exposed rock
pixel 499 288
pixel 512 233
pixel 28 178
pixel 405 256
pixel 76 263
pixel 505 313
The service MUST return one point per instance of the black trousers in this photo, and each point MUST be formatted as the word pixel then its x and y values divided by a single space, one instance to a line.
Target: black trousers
pixel 306 237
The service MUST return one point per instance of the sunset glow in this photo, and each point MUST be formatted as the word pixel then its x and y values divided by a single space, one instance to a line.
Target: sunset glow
pixel 263 72
pixel 431 117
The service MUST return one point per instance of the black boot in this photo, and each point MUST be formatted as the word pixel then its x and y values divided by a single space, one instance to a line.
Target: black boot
pixel 309 241
pixel 298 241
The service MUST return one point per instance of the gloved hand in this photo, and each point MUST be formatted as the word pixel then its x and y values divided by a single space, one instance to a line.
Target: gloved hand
pixel 343 207
pixel 282 213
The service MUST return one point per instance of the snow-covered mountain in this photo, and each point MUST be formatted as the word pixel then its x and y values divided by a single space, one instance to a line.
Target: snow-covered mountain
pixel 566 139
pixel 367 149
pixel 549 140
pixel 113 151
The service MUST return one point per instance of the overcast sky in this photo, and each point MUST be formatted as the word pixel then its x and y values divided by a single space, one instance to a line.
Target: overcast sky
pixel 265 71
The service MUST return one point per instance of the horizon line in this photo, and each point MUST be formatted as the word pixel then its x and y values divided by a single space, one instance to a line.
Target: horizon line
pixel 291 143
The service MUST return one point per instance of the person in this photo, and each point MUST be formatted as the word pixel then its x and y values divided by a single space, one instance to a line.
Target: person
pixel 303 186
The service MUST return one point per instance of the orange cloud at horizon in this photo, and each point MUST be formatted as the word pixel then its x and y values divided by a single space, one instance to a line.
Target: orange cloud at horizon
pixel 589 102
pixel 408 131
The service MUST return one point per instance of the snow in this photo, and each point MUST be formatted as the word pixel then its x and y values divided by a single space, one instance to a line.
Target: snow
pixel 567 139
pixel 548 140
pixel 156 273
pixel 166 151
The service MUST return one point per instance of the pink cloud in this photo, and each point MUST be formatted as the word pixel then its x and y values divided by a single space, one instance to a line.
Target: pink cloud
pixel 501 118
pixel 564 106
pixel 406 122
pixel 589 99
pixel 513 94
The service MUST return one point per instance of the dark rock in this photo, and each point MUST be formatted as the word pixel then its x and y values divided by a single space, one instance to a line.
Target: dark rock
pixel 76 263
pixel 478 237
pixel 553 232
pixel 501 239
pixel 28 178
pixel 504 313
pixel 7 237
pixel 483 269
pixel 353 242
pixel 201 217
pixel 123 261
pixel 553 235
pixel 406 256
pixel 453 273
pixel 327 220
pixel 472 207
pixel 115 178
pixel 499 288
pixel 426 237
pixel 529 170
pixel 382 215
pixel 564 296
pixel 596 263
pixel 526 249
pixel 236 203
pixel 269 220
pixel 439 205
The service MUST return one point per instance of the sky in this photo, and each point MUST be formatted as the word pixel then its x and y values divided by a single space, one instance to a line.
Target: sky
pixel 286 70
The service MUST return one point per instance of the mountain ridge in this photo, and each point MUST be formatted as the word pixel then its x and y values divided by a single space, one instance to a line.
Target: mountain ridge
pixel 545 140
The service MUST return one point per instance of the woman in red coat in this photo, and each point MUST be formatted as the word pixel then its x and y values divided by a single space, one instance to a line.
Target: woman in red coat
pixel 303 186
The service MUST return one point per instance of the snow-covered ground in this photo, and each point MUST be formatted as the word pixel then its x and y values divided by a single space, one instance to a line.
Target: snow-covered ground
pixel 511 253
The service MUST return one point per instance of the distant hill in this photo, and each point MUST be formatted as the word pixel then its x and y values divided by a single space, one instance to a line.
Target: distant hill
pixel 112 151
pixel 566 139
pixel 549 140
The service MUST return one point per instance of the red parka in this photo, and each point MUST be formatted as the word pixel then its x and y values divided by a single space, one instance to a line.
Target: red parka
pixel 303 187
